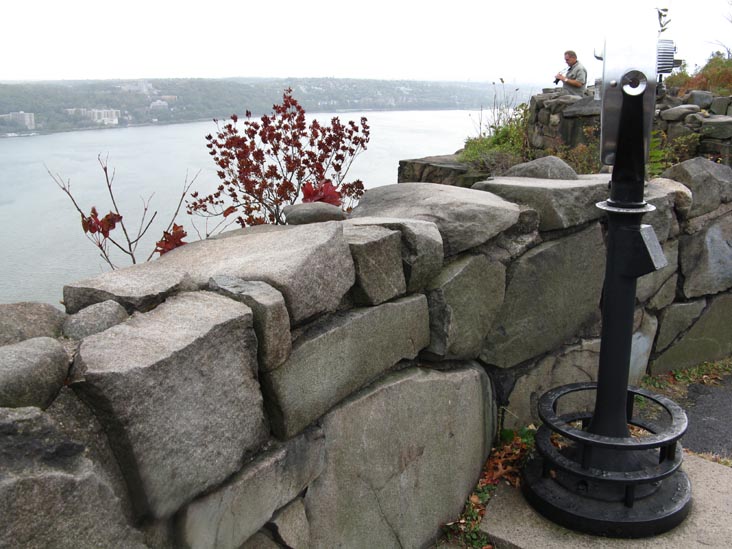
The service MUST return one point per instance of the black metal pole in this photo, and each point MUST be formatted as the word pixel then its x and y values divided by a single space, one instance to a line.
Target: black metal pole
pixel 602 480
pixel 618 301
pixel 624 211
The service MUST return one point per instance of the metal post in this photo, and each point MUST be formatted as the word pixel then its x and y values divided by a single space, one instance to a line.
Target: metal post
pixel 603 481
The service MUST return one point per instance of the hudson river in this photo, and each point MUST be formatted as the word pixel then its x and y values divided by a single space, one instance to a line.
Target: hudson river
pixel 41 241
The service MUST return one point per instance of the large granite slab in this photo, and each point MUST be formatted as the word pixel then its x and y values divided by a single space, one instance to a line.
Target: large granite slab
pixel 310 265
pixel 338 356
pixel 560 203
pixel 464 217
pixel 176 391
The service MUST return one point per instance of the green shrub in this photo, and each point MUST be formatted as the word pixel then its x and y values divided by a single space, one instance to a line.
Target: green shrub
pixel 585 157
pixel 666 152
pixel 500 146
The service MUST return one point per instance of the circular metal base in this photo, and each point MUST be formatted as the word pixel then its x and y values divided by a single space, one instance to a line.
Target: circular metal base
pixel 641 208
pixel 654 514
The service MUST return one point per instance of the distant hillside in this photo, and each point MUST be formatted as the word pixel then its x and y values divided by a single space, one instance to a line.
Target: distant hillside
pixel 183 100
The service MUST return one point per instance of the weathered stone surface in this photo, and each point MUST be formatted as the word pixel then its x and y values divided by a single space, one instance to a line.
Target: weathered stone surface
pixel 176 391
pixel 291 525
pixel 227 517
pixel 648 285
pixel 137 288
pixel 377 257
pixel 560 204
pixel 94 319
pixel 701 223
pixel 261 540
pixel 312 212
pixel 464 217
pixel 392 478
pixel 444 169
pixel 717 127
pixel 546 167
pixel 710 183
pixel 251 231
pixel 699 97
pixel 720 105
pixel 339 355
pixel 528 222
pixel 297 260
pixel 586 106
pixel 571 365
pixel 20 321
pixel 674 114
pixel 676 319
pixel 695 120
pixel 159 534
pixel 709 339
pixel 682 197
pixel 539 100
pixel 509 245
pixel 641 347
pixel 663 218
pixel 561 102
pixel 50 494
pixel 705 259
pixel 505 248
pixel 421 250
pixel 78 423
pixel 669 101
pixel 271 320
pixel 463 302
pixel 32 372
pixel 553 290
pixel 543 117
pixel 665 295
pixel 678 129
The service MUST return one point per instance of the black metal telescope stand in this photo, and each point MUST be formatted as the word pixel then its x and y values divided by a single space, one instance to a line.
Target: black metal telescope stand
pixel 601 480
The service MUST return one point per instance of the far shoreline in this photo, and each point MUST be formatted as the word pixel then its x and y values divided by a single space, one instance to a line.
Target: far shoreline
pixel 35 133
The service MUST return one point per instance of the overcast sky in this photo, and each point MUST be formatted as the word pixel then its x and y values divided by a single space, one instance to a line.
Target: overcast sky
pixel 520 41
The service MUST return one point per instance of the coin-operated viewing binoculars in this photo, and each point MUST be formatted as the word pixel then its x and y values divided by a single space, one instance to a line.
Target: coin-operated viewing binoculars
pixel 589 473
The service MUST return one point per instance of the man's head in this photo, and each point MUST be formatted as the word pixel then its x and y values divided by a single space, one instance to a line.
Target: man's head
pixel 570 57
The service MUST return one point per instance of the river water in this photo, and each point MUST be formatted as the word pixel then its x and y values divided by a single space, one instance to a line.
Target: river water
pixel 41 241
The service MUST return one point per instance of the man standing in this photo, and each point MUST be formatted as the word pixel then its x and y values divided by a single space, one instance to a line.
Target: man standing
pixel 575 81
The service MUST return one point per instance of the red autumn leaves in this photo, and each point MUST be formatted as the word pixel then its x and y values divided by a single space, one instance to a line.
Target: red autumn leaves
pixel 171 240
pixel 326 192
pixel 266 164
pixel 93 225
pixel 263 166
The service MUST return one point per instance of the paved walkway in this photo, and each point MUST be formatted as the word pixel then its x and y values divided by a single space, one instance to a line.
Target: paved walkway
pixel 709 409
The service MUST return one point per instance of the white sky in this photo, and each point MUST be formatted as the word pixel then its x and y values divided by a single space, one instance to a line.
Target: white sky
pixel 520 41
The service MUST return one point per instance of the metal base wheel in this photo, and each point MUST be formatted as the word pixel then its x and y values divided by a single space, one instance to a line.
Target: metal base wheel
pixel 654 514
pixel 624 487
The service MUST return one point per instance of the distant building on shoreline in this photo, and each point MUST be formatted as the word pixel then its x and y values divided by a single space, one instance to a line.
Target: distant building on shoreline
pixel 26 119
pixel 108 117
pixel 159 105
pixel 139 86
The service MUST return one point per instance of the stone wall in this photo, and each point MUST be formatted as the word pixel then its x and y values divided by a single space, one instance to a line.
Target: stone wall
pixel 557 119
pixel 334 384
